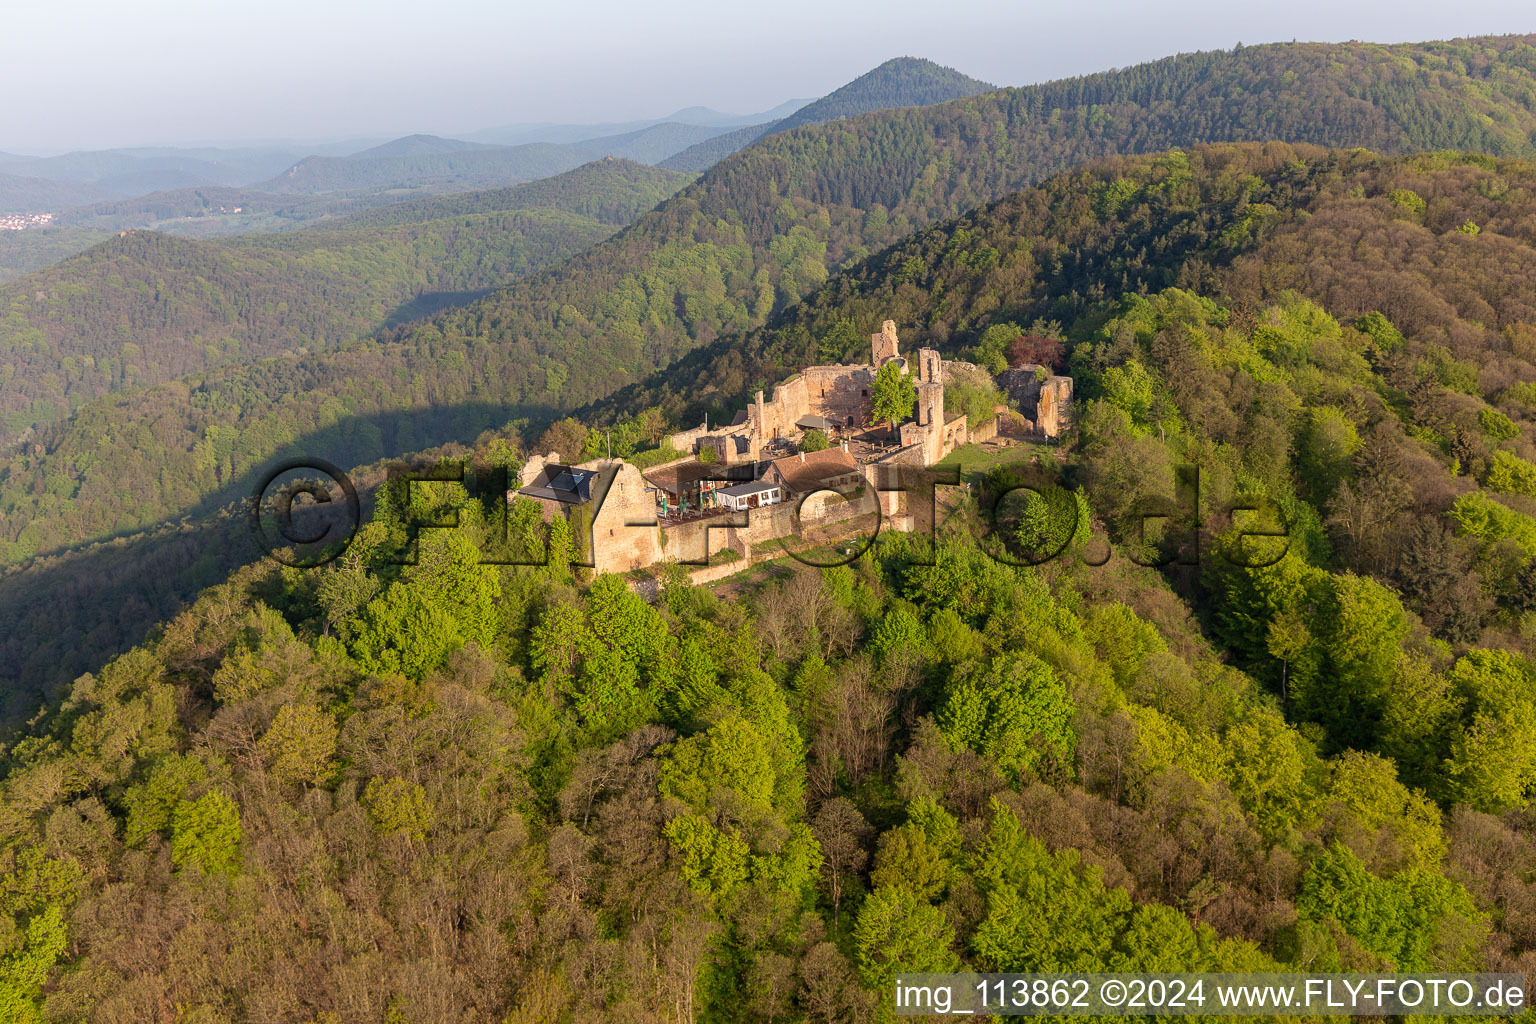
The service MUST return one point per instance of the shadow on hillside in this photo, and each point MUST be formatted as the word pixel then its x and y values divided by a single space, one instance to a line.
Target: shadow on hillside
pixel 71 611
pixel 429 303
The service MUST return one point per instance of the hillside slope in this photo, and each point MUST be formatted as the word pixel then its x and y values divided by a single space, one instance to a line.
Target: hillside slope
pixel 765 228
pixel 144 308
pixel 1061 249
pixel 465 787
pixel 457 169
pixel 1348 335
pixel 753 236
pixel 607 190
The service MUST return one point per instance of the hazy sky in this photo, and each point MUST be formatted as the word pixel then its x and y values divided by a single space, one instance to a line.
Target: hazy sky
pixel 95 73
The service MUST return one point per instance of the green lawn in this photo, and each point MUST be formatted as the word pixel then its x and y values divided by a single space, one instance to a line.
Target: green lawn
pixel 976 460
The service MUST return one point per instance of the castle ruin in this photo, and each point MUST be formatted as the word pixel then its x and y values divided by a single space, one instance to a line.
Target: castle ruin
pixel 755 482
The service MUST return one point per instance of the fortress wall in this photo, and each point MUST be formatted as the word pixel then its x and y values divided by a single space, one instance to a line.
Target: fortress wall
pixel 685 440
pixel 696 541
pixel 1047 404
pixel 624 533
pixel 955 433
pixel 839 393
pixel 776 418
pixel 986 430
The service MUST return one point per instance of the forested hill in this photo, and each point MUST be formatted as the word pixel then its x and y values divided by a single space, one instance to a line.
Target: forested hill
pixel 453 791
pixel 901 82
pixel 464 168
pixel 765 227
pixel 1055 252
pixel 754 235
pixel 1351 335
pixel 609 190
pixel 144 308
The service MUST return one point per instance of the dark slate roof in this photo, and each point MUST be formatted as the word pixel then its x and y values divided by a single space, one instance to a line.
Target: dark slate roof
pixel 562 483
pixel 741 490
pixel 810 422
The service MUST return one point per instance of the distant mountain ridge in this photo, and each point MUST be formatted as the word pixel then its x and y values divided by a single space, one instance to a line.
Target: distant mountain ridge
pixel 456 164
pixel 119 173
pixel 428 161
pixel 461 168
pixel 899 82
pixel 21 194
pixel 515 134
pixel 412 145
pixel 144 307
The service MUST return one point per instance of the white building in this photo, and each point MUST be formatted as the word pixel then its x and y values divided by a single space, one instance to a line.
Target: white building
pixel 741 497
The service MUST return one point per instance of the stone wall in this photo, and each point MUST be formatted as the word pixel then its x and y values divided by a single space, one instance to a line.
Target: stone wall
pixel 1053 414
pixel 686 440
pixel 624 531
pixel 695 541
pixel 987 429
pixel 954 434
pixel 840 393
pixel 732 444
pixel 1046 404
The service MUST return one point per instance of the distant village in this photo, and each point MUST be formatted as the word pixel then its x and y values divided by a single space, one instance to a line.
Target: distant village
pixel 23 221
pixel 759 478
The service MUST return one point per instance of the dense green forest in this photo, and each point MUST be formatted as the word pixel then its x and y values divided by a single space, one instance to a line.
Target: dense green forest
pixel 901 82
pixel 1348 336
pixel 452 792
pixel 1208 221
pixel 449 792
pixel 24 252
pixel 756 234
pixel 144 308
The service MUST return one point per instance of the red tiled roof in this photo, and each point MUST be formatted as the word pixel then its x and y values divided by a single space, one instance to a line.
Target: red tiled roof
pixel 810 471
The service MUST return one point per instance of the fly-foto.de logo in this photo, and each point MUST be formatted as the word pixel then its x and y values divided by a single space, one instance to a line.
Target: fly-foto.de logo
pixel 306 512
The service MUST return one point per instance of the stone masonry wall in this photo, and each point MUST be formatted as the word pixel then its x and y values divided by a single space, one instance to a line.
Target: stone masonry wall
pixel 1047 404
pixel 624 532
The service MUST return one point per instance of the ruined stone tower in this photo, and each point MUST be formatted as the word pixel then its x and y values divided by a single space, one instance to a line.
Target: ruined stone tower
pixel 883 345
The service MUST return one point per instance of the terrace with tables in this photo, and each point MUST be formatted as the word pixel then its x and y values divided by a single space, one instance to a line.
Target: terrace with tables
pixel 872 445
